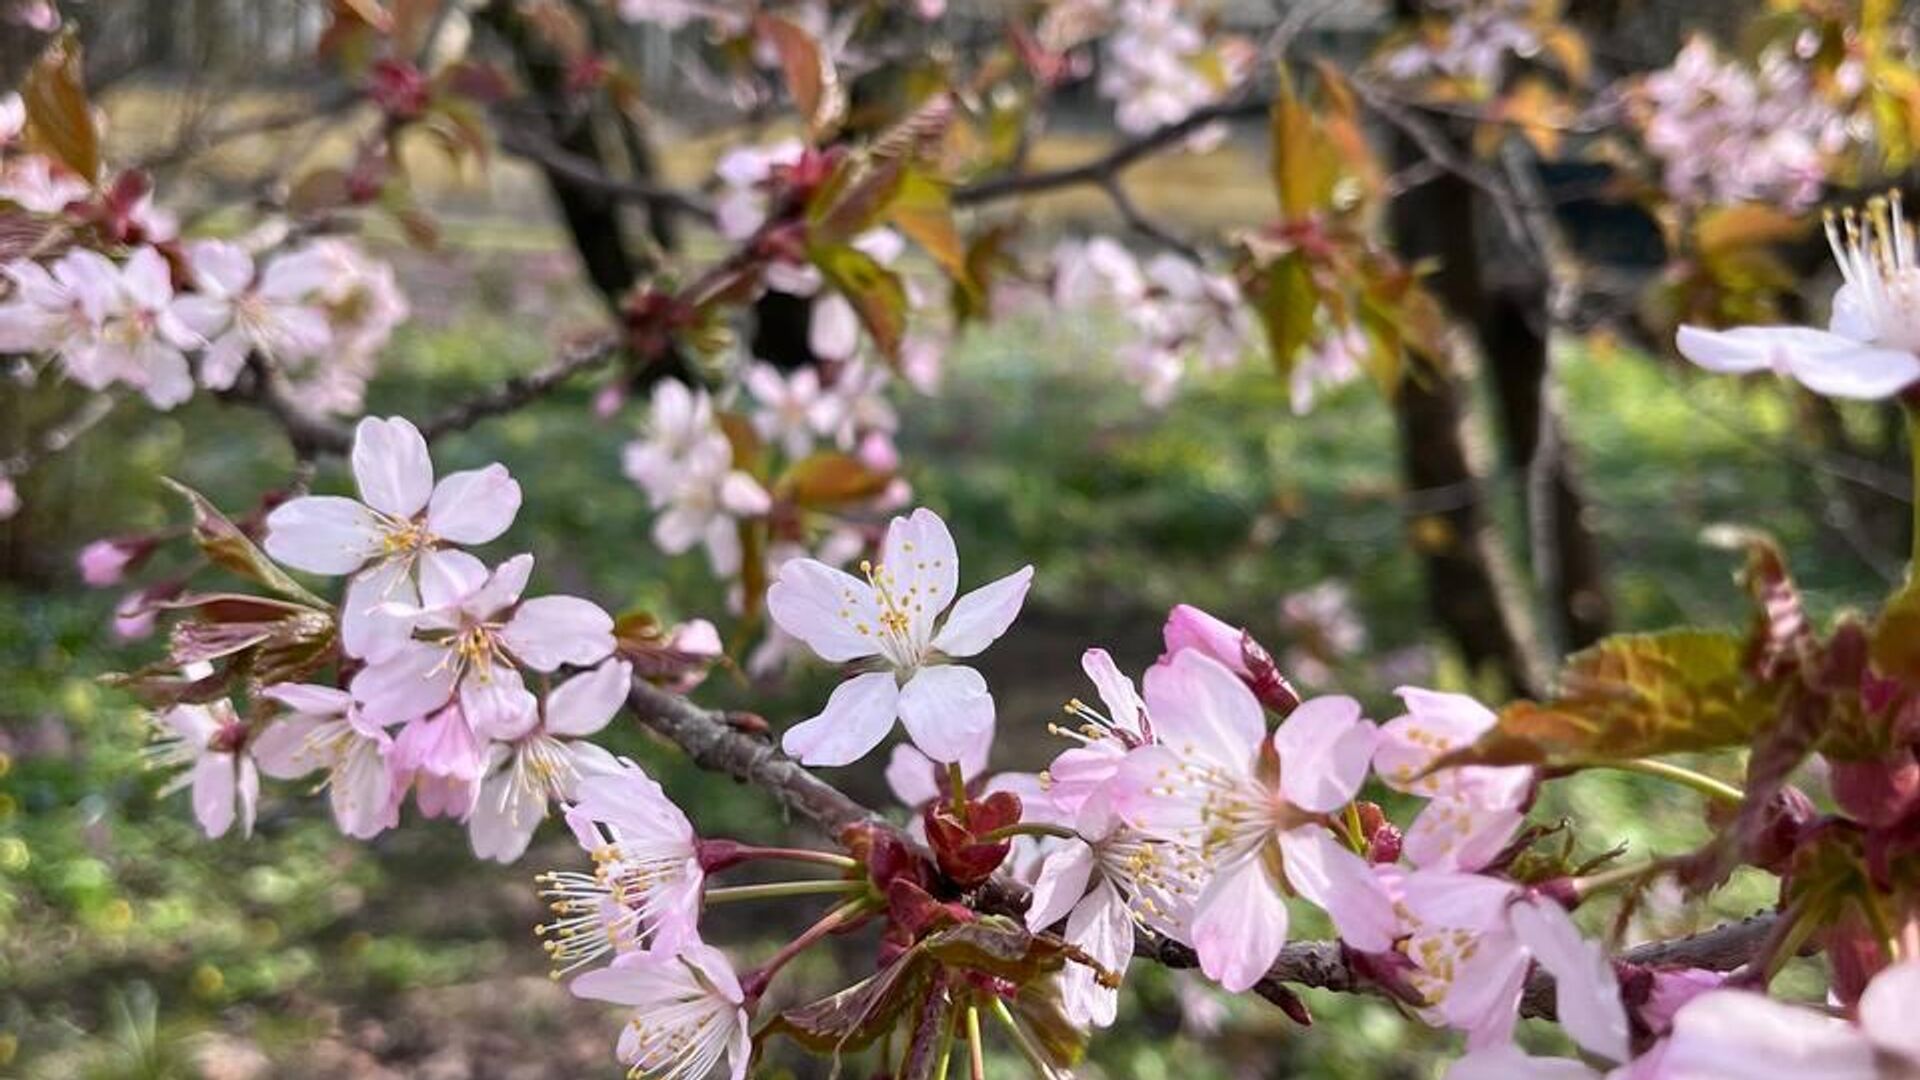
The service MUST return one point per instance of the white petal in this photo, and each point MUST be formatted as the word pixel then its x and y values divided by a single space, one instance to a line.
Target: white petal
pixel 858 715
pixel 323 534
pixel 1586 992
pixel 391 466
pixel 1239 925
pixel 1888 1010
pixel 1102 927
pixel 497 703
pixel 475 506
pixel 1199 707
pixel 948 712
pixel 373 623
pixel 285 750
pixel 1116 690
pixel 984 614
pixel 448 578
pixel 832 611
pixel 412 682
pixel 213 793
pixel 921 568
pixel 1735 1035
pixel 1061 884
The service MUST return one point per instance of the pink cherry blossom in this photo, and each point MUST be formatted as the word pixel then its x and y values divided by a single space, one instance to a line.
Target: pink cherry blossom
pixel 679 419
pixel 471 636
pixel 794 410
pixel 62 311
pixel 398 530
pixel 239 313
pixel 442 758
pixel 647 882
pixel 35 183
pixel 1204 785
pixel 13 117
pixel 546 763
pixel 1474 937
pixel 689 1012
pixel 1472 811
pixel 144 339
pixel 1868 352
pixel 104 562
pixel 363 304
pixel 1104 737
pixel 704 502
pixel 1739 1035
pixel 893 617
pixel 326 731
pixel 208 743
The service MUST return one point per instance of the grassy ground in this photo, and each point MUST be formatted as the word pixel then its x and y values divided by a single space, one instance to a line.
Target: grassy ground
pixel 130 948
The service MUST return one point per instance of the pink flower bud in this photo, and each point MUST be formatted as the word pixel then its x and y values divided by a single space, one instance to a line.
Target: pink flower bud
pixel 1190 628
pixel 104 562
pixel 1671 989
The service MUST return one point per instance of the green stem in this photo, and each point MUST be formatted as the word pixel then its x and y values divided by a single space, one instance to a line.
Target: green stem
pixel 958 782
pixel 946 1050
pixel 1800 926
pixel 1680 774
pixel 775 890
pixel 755 982
pixel 1619 875
pixel 1877 919
pixel 801 855
pixel 976 1050
pixel 1029 828
pixel 1354 840
pixel 1023 1040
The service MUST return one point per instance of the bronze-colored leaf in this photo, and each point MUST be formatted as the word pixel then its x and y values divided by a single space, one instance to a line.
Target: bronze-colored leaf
pixel 809 72
pixel 877 294
pixel 830 478
pixel 226 546
pixel 59 117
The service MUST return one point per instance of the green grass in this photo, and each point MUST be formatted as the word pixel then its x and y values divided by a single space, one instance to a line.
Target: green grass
pixel 1036 453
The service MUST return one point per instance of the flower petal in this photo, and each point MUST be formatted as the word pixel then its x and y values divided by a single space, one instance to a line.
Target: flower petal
pixel 498 704
pixel 981 616
pixel 475 506
pixel 1325 750
pixel 948 712
pixel 1062 883
pixel 323 534
pixel 391 466
pixel 832 611
pixel 549 631
pixel 213 793
pixel 1239 925
pixel 921 568
pixel 1586 991
pixel 858 715
pixel 1343 885
pixel 585 703
pixel 1200 707
pixel 1887 1010
pixel 373 619
pixel 414 680
pixel 1116 690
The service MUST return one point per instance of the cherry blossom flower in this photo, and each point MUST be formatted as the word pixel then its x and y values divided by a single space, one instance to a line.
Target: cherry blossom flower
pixel 1322 627
pixel 104 562
pixel 443 760
pixel 143 340
pixel 1475 937
pixel 689 1012
pixel 1254 807
pixel 1470 40
pixel 704 502
pixel 647 881
pixel 472 635
pixel 1159 69
pixel 9 498
pixel 745 172
pixel 1472 811
pixel 326 731
pixel 1869 350
pixel 62 311
pixel 794 410
pixel 546 762
pixel 238 314
pixel 1112 877
pixel 893 617
pixel 679 419
pixel 363 304
pixel 397 530
pixel 1736 1035
pixel 1104 737
pixel 208 743
pixel 35 183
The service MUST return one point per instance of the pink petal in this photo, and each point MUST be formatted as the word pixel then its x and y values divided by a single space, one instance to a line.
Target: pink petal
pixel 1062 883
pixel 549 631
pixel 285 751
pixel 1735 1035
pixel 858 715
pixel 318 701
pixel 1190 628
pixel 449 578
pixel 475 506
pixel 1727 352
pixel 1454 834
pixel 1103 928
pixel 1862 373
pixel 497 704
pixel 981 616
pixel 912 776
pixel 323 534
pixel 1239 925
pixel 834 330
pixel 391 466
pixel 195 724
pixel 213 793
pixel 1116 690
pixel 948 712
pixel 1586 992
pixel 221 268
pixel 586 703
pixel 1458 900
pixel 1200 707
pixel 501 589
pixel 248 794
pixel 1343 885
pixel 832 611
pixel 500 829
pixel 1325 749
pixel 413 681
pixel 1077 773
pixel 1509 1062
pixel 1888 1009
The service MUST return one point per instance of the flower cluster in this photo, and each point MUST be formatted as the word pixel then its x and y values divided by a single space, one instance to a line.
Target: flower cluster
pixel 133 305
pixel 1467 41
pixel 1177 311
pixel 1727 133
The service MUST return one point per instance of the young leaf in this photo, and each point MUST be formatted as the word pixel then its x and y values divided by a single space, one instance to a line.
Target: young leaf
pixel 1288 304
pixel 59 117
pixel 829 478
pixel 922 210
pixel 877 294
pixel 226 546
pixel 853 1018
pixel 1634 695
pixel 810 75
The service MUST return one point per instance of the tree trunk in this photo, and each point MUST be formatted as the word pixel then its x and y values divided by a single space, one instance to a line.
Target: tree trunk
pixel 1471 586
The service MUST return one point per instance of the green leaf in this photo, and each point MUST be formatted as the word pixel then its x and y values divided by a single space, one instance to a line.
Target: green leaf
pixel 1895 642
pixel 1630 696
pixel 226 546
pixel 1288 304
pixel 876 293
pixel 922 209
pixel 59 117
pixel 1303 170
pixel 854 199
